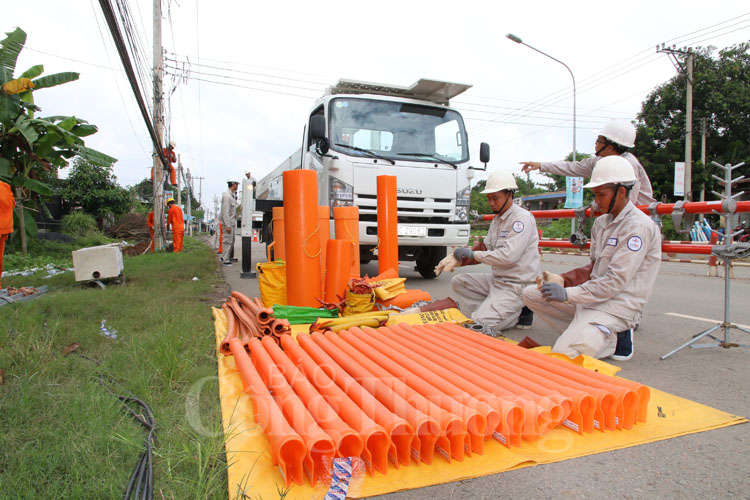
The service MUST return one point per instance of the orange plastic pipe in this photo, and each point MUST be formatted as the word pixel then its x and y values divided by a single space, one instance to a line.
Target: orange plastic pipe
pixel 387 223
pixel 278 234
pixel 338 267
pixel 346 227
pixel 324 234
pixel 399 431
pixel 348 441
pixel 632 398
pixel 374 436
pixel 426 429
pixel 302 242
pixel 263 314
pixel 506 415
pixel 406 299
pixel 231 329
pixel 320 446
pixel 251 326
pixel 538 417
pixel 287 448
pixel 477 415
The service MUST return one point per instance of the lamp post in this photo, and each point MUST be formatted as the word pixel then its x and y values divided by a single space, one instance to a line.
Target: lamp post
pixel 511 36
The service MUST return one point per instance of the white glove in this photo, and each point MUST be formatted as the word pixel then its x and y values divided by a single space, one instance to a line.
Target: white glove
pixel 447 264
pixel 548 277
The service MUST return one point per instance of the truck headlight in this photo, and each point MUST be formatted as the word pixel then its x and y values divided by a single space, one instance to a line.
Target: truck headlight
pixel 340 194
pixel 463 199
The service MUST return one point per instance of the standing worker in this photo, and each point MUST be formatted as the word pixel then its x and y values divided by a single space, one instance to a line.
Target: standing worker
pixel 615 139
pixel 228 219
pixel 6 219
pixel 595 307
pixel 511 248
pixel 150 224
pixel 176 221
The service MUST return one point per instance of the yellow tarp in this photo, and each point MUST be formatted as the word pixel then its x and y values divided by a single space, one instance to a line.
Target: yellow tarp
pixel 249 457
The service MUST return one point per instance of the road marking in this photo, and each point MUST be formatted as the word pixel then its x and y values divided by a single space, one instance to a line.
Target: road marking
pixel 717 321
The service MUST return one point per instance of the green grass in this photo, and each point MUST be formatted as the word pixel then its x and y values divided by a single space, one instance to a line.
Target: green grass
pixel 42 252
pixel 61 434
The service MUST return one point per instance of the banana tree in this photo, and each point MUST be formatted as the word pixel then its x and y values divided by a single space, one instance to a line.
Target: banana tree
pixel 33 148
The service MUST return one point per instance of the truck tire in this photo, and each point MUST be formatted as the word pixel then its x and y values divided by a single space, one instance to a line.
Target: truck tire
pixel 428 258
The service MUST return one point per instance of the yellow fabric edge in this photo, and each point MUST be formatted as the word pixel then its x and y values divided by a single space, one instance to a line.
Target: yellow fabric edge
pixel 249 459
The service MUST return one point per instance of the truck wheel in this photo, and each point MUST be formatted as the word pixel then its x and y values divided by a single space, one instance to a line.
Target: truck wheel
pixel 428 258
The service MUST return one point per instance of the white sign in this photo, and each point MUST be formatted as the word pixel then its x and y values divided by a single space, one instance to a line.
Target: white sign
pixel 679 178
pixel 411 230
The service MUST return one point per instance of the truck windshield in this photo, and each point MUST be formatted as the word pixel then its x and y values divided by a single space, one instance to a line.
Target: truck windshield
pixel 396 129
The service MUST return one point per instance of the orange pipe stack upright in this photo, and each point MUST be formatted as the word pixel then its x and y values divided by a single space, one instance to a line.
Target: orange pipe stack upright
pixel 278 234
pixel 387 223
pixel 338 259
pixel 346 227
pixel 302 245
pixel 324 234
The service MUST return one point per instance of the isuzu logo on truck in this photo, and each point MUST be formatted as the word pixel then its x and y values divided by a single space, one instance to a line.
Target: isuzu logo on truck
pixel 408 191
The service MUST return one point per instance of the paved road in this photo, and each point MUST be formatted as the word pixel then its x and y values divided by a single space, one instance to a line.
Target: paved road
pixel 713 464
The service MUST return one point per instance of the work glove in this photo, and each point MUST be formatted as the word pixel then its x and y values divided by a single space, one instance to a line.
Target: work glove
pixel 447 264
pixel 553 291
pixel 462 253
pixel 548 277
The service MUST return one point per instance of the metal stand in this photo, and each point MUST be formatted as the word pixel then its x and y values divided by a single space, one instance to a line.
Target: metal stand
pixel 247 265
pixel 726 252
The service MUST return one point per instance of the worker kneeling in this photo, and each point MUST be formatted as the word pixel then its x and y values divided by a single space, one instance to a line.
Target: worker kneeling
pixel 511 248
pixel 594 306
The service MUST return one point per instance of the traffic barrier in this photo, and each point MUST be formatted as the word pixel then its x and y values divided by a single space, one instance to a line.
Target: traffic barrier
pixel 346 227
pixel 374 436
pixel 302 244
pixel 338 268
pixel 387 223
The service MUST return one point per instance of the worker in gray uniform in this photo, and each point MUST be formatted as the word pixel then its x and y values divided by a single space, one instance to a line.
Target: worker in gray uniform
pixel 228 217
pixel 595 307
pixel 615 139
pixel 511 248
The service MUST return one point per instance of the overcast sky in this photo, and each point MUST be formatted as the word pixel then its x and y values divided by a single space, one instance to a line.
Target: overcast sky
pixel 274 58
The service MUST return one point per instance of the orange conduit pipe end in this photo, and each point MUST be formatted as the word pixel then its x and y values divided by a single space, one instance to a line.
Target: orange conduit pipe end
pixel 346 227
pixel 324 234
pixel 406 403
pixel 320 446
pixel 302 243
pixel 338 268
pixel 348 441
pixel 395 426
pixel 263 314
pixel 474 413
pixel 278 234
pixel 287 448
pixel 387 223
pixel 374 436
pixel 231 329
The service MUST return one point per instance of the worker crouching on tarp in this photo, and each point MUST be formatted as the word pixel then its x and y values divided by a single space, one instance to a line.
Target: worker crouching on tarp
pixel 511 248
pixel 175 220
pixel 595 307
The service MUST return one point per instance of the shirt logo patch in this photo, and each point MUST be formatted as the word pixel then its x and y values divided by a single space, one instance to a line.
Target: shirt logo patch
pixel 635 243
pixel 518 226
pixel 612 242
pixel 504 234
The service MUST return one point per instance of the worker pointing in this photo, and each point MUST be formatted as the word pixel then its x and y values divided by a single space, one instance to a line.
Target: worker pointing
pixel 510 247
pixel 595 307
pixel 176 221
pixel 615 139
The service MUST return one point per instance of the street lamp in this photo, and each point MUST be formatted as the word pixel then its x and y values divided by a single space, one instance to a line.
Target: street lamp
pixel 511 36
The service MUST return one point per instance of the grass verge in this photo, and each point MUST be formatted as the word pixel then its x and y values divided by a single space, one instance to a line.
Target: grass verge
pixel 61 434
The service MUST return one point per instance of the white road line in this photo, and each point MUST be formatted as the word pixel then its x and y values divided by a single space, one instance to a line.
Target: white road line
pixel 703 319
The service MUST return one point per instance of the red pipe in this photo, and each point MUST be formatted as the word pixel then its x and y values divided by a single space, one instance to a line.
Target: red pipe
pixel 686 247
pixel 387 223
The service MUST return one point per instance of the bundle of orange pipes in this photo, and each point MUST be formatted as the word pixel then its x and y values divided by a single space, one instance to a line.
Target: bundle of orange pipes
pixel 248 318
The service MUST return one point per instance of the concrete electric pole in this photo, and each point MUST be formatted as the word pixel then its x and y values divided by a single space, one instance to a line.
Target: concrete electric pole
pixel 159 227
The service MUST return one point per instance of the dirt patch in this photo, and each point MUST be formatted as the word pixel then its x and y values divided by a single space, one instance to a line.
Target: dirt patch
pixel 137 249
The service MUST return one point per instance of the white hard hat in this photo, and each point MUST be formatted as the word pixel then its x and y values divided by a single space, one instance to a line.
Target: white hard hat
pixel 498 181
pixel 247 172
pixel 611 170
pixel 620 131
pixel 232 180
pixel 173 144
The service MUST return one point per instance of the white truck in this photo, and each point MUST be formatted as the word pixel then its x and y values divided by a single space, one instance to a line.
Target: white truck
pixel 358 131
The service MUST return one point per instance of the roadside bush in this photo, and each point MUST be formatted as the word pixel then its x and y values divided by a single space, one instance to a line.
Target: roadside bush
pixel 78 224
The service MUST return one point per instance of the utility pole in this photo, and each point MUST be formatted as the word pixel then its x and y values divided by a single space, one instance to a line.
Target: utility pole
pixel 159 228
pixel 200 190
pixel 688 69
pixel 179 180
pixel 189 204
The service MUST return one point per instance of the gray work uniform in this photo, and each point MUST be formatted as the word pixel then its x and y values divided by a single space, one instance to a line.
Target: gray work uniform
pixel 228 218
pixel 494 299
pixel 641 194
pixel 627 254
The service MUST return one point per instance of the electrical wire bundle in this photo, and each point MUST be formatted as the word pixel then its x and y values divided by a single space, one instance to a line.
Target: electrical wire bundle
pixel 141 483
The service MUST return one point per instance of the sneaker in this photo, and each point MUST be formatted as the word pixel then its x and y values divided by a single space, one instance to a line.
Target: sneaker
pixel 624 349
pixel 228 264
pixel 525 319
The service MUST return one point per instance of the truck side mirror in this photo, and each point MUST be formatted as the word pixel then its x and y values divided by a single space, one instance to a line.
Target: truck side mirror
pixel 317 127
pixel 484 153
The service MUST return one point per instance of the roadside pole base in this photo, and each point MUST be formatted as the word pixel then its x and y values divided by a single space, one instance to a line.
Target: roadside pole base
pixel 249 274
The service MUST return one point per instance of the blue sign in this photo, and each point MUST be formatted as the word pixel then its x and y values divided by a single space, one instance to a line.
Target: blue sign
pixel 573 192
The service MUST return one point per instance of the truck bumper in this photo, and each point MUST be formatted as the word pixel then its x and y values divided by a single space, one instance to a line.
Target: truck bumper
pixel 437 235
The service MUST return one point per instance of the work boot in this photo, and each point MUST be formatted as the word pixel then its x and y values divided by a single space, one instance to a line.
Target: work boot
pixel 525 319
pixel 624 349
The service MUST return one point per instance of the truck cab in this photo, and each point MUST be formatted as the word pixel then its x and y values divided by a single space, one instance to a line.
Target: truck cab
pixel 358 131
